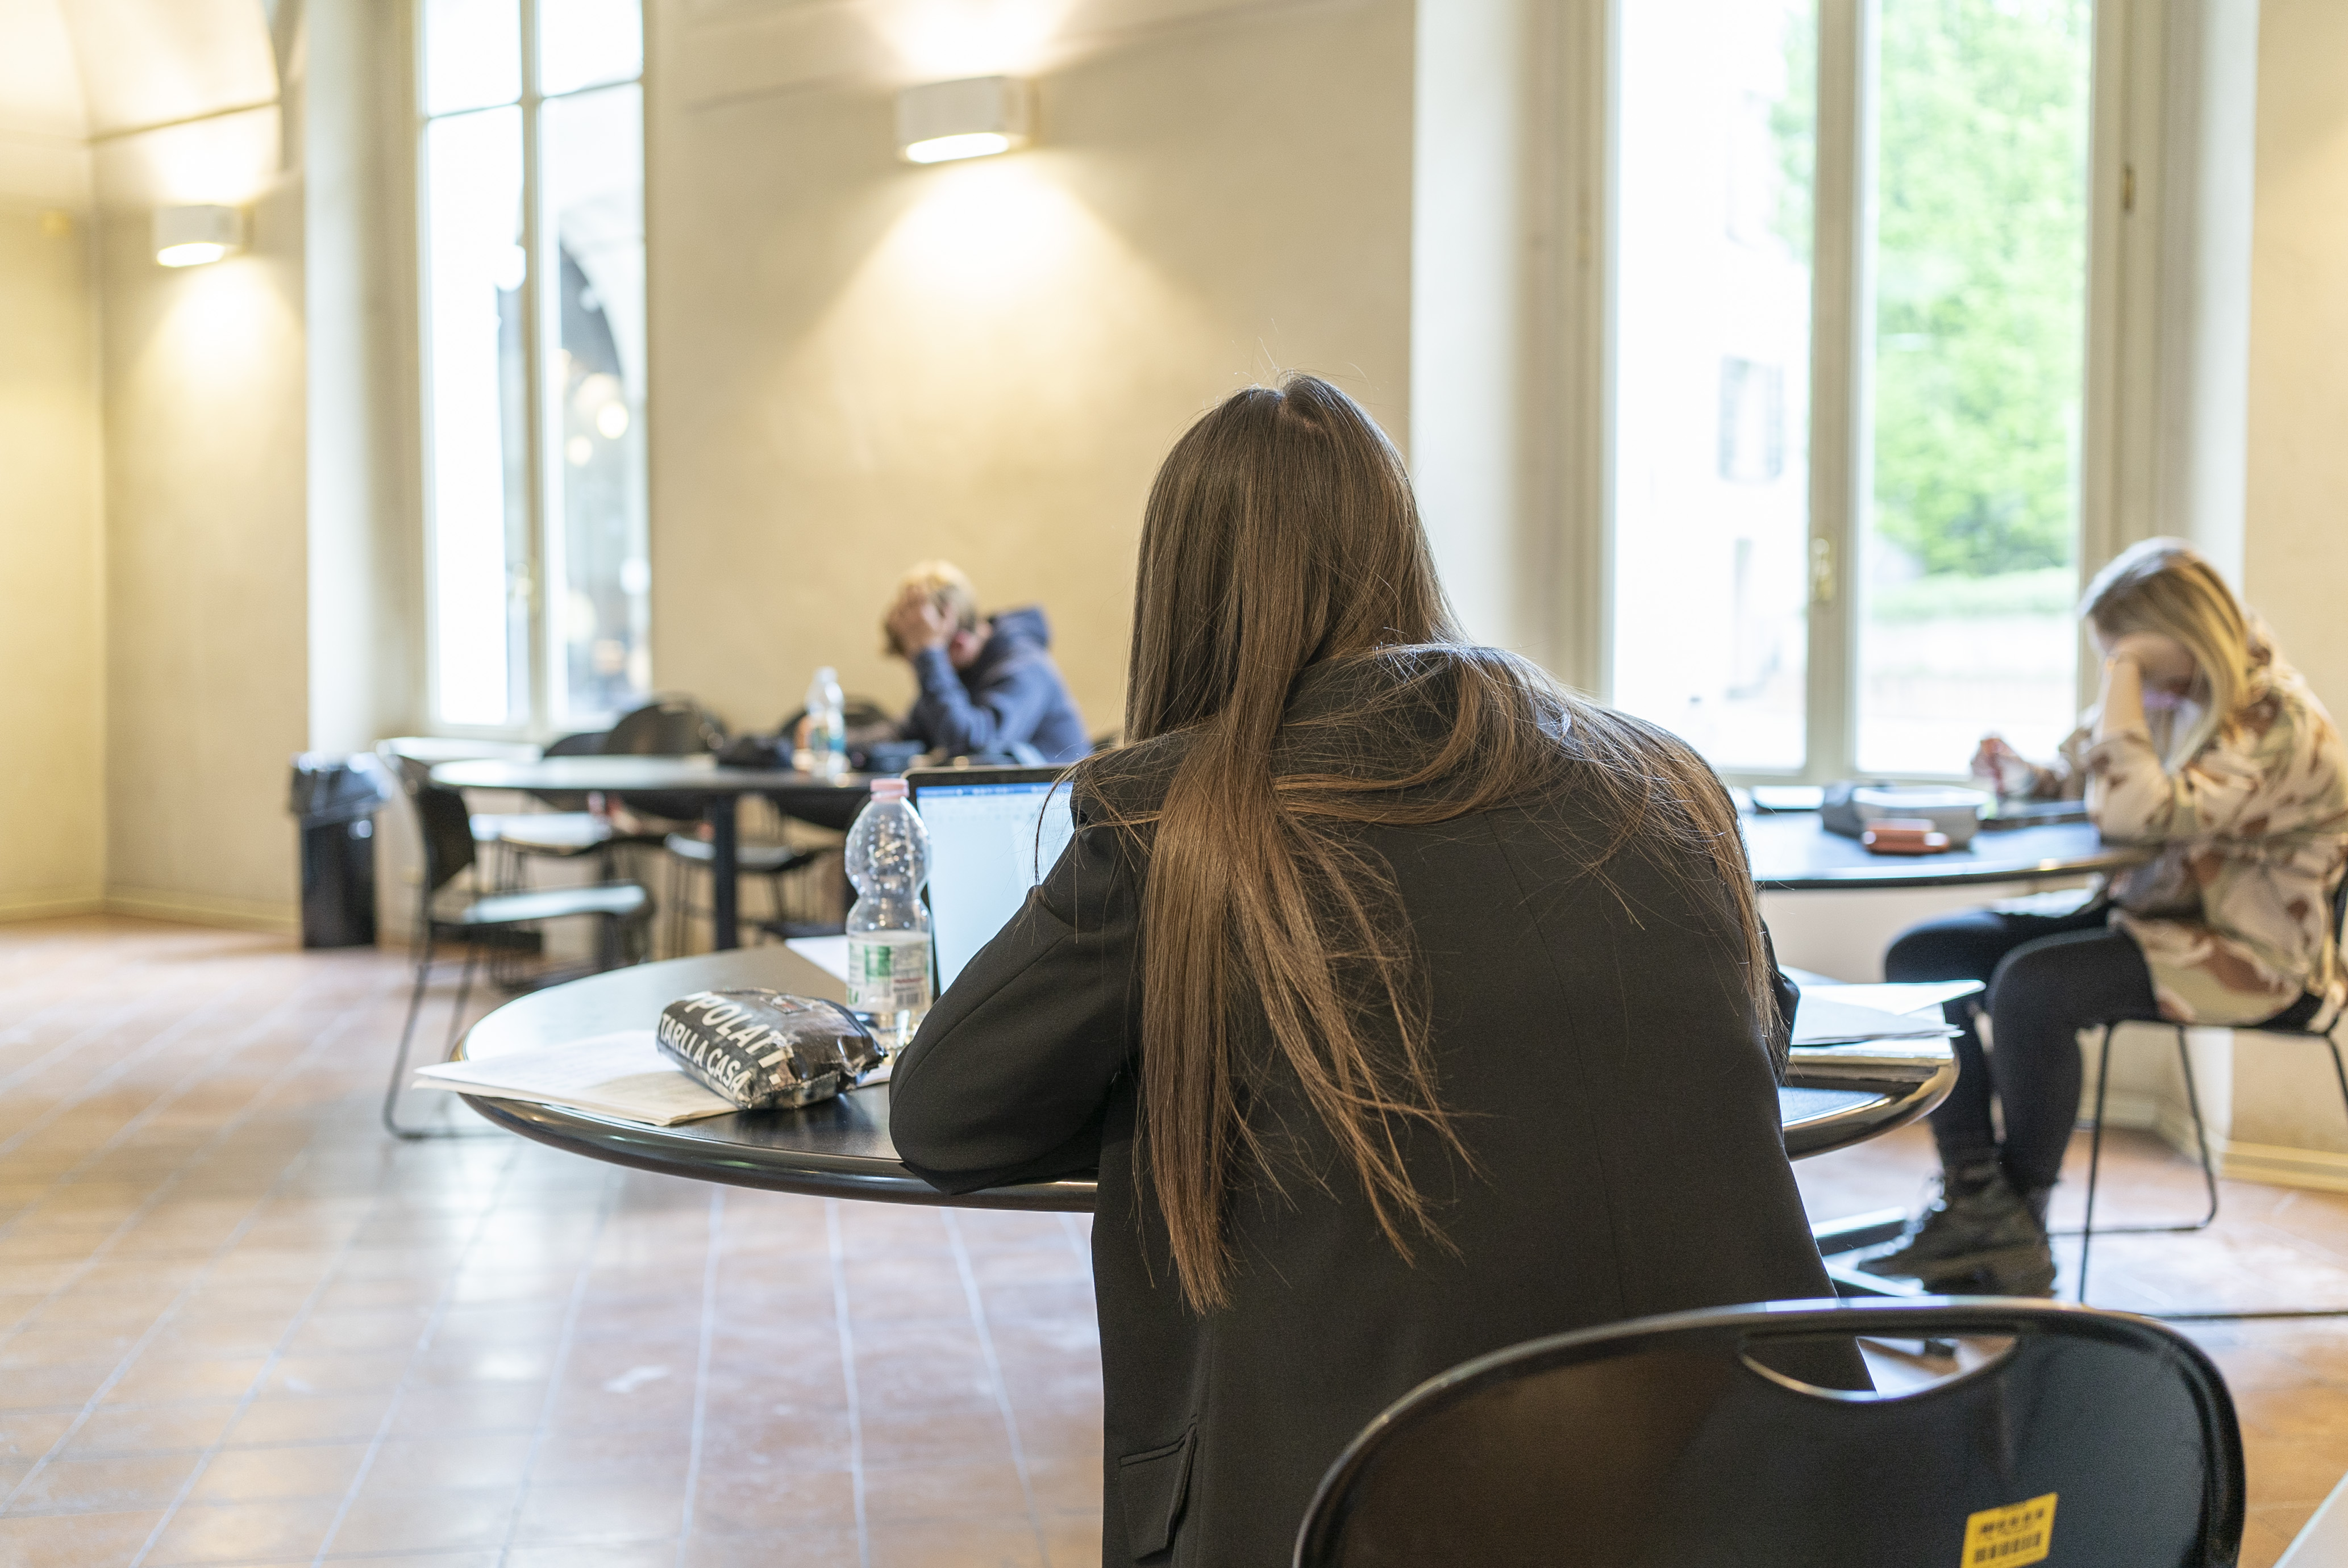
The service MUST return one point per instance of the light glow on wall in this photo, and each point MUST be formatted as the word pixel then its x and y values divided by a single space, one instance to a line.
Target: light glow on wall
pixel 979 328
pixel 941 39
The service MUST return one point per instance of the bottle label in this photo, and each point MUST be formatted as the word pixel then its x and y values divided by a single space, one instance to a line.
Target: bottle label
pixel 889 972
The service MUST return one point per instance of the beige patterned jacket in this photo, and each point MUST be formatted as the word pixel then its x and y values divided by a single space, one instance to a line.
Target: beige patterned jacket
pixel 2234 913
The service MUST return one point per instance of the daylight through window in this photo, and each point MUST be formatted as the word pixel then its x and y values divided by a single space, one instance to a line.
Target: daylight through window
pixel 534 335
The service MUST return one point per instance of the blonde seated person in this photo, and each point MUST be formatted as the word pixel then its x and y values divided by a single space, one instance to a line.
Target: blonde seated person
pixel 2208 746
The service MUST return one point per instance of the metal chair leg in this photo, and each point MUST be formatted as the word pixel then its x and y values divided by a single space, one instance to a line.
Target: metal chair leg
pixel 2095 1160
pixel 391 1122
pixel 2209 1170
pixel 406 1035
pixel 464 990
pixel 2200 1141
pixel 2201 1133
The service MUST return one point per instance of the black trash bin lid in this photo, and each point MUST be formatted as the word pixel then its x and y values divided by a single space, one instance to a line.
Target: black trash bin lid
pixel 328 787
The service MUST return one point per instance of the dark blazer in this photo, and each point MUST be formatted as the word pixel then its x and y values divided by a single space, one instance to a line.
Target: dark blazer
pixel 1603 1065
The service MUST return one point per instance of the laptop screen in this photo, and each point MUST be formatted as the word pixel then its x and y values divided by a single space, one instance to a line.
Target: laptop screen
pixel 986 852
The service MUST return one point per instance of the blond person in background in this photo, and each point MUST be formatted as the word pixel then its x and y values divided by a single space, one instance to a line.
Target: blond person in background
pixel 986 686
pixel 2206 746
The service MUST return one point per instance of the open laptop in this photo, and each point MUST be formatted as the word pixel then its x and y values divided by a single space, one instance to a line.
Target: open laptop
pixel 994 833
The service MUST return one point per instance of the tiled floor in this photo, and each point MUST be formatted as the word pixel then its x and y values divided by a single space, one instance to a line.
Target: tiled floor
pixel 238 1324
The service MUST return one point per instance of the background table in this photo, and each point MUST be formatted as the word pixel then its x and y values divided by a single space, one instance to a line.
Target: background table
pixel 840 1147
pixel 827 802
pixel 1792 852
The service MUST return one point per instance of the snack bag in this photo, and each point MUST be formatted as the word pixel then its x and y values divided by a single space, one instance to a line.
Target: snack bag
pixel 762 1048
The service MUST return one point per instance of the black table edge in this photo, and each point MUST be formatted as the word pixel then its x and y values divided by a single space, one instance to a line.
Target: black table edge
pixel 811 1175
pixel 644 1148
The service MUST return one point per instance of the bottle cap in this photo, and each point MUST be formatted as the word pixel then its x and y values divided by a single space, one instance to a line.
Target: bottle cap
pixel 887 789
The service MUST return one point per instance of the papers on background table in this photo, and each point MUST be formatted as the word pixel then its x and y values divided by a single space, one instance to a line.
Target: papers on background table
pixel 1842 1015
pixel 829 954
pixel 621 1074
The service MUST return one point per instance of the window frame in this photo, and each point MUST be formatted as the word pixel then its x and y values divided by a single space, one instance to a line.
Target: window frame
pixel 2128 62
pixel 541 396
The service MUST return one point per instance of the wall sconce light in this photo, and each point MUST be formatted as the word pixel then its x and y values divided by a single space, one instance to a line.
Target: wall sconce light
pixel 974 118
pixel 191 236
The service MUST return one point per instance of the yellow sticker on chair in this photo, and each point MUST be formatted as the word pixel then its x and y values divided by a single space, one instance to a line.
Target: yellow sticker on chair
pixel 2010 1536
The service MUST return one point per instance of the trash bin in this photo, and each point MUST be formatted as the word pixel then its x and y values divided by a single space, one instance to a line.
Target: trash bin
pixel 335 799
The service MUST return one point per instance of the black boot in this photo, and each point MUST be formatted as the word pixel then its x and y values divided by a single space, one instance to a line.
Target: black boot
pixel 1979 1236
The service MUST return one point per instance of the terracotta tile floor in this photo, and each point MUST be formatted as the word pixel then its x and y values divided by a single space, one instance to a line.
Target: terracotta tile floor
pixel 238 1324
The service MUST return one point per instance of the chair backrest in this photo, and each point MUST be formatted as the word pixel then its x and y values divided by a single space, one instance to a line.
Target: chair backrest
pixel 444 823
pixel 664 727
pixel 855 712
pixel 1667 1442
pixel 587 745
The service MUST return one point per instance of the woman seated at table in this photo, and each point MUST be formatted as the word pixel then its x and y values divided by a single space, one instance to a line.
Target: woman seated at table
pixel 2208 745
pixel 1408 1007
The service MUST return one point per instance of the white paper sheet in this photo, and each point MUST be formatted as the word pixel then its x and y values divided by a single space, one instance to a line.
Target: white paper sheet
pixel 1914 996
pixel 621 1074
pixel 829 954
pixel 1825 1020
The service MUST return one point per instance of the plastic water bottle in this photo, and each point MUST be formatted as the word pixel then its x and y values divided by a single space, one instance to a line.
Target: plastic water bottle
pixel 888 929
pixel 826 751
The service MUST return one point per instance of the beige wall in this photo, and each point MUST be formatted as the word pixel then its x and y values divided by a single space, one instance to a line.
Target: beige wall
pixel 52 706
pixel 207 632
pixel 857 362
pixel 2295 555
pixel 2295 566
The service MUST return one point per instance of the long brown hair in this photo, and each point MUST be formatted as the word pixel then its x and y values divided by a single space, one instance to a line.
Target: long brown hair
pixel 1281 534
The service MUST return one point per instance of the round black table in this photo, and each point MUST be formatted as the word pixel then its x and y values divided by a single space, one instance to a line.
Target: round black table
pixel 829 802
pixel 1791 853
pixel 840 1148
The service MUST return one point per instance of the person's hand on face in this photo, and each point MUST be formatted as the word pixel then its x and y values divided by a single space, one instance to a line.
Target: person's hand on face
pixel 915 624
pixel 2163 664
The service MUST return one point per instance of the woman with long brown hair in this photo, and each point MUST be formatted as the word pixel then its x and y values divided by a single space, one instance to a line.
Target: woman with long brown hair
pixel 1408 1007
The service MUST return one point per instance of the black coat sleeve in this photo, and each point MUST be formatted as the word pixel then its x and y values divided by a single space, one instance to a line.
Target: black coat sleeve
pixel 1008 1077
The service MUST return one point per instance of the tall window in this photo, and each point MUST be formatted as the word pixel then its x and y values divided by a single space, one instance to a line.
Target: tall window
pixel 1848 373
pixel 532 173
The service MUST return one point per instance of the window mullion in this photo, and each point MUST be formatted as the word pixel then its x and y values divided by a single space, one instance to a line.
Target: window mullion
pixel 1838 363
pixel 536 293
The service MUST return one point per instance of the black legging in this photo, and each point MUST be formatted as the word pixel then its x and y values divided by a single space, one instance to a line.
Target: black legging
pixel 2049 977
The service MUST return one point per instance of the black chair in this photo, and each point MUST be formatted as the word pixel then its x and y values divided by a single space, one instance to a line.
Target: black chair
pixel 444 829
pixel 1668 1442
pixel 2087 1231
pixel 586 744
pixel 691 857
pixel 669 726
